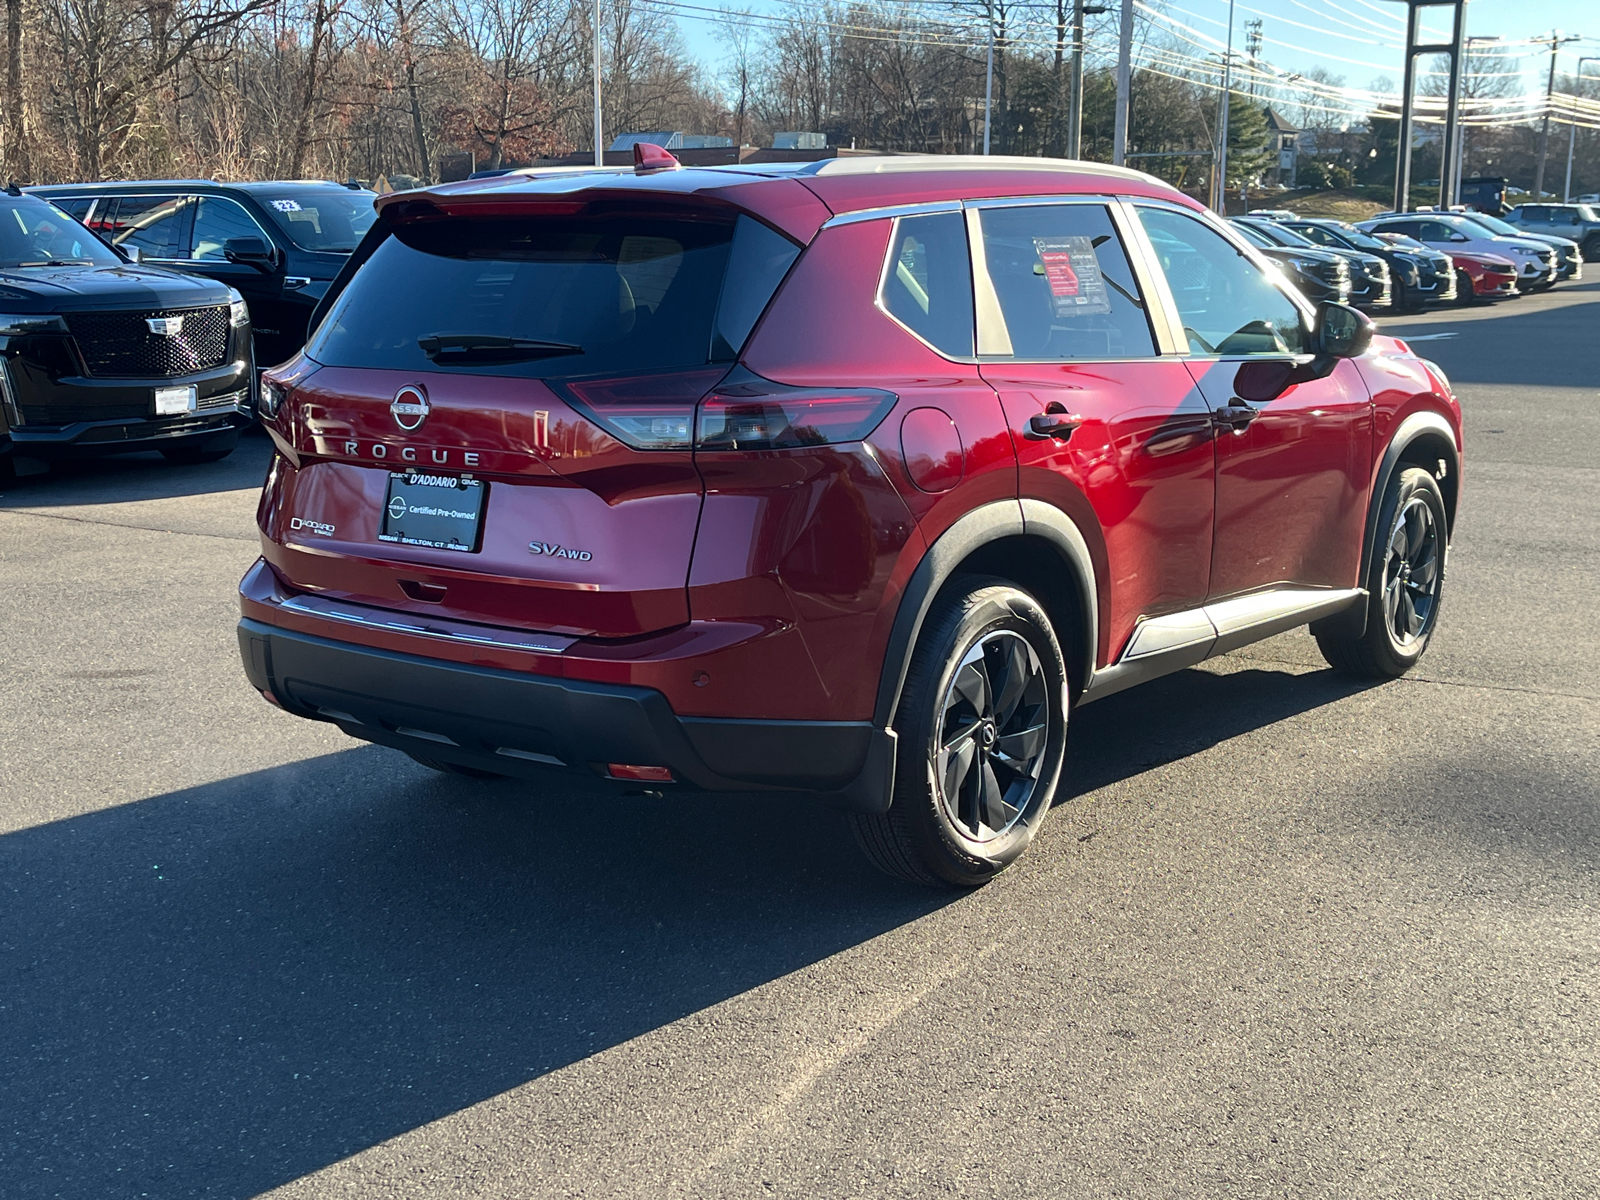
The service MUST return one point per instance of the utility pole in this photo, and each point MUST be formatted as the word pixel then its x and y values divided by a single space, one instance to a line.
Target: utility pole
pixel 1119 137
pixel 1572 130
pixel 1458 27
pixel 1075 112
pixel 1556 42
pixel 1220 182
pixel 599 144
pixel 988 92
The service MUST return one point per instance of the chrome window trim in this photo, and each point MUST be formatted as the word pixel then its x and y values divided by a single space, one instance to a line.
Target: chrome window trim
pixel 1039 201
pixel 883 281
pixel 890 212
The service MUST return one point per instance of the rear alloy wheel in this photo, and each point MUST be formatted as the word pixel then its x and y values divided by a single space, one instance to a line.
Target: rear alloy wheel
pixel 982 727
pixel 1464 291
pixel 1405 583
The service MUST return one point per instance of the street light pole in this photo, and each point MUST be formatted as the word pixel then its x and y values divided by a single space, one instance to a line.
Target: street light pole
pixel 1572 130
pixel 599 152
pixel 1222 138
pixel 988 92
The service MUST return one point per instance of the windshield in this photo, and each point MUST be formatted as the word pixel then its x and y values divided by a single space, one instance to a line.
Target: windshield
pixel 537 297
pixel 331 219
pixel 1254 236
pixel 34 233
pixel 1359 238
pixel 1284 236
pixel 1404 242
pixel 1493 224
pixel 1587 213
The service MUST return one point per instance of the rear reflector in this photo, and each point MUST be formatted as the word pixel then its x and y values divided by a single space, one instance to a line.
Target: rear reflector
pixel 641 774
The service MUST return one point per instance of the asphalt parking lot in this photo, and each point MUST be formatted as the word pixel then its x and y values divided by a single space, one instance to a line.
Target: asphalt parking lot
pixel 1283 936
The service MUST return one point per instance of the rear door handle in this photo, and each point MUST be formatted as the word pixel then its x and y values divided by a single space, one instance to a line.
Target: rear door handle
pixel 1236 416
pixel 1051 425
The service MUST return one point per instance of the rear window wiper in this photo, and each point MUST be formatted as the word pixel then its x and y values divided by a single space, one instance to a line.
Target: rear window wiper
pixel 485 347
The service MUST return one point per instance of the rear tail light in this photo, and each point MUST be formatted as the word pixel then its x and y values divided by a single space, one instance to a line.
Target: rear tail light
pixel 742 412
pixel 647 412
pixel 747 412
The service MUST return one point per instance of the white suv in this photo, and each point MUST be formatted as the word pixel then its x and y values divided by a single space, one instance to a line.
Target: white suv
pixel 1536 261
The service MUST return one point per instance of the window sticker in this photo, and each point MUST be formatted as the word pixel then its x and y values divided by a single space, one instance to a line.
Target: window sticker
pixel 1069 265
pixel 286 205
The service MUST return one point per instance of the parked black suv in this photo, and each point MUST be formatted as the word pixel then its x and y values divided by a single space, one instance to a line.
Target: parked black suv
pixel 1322 276
pixel 102 356
pixel 1419 276
pixel 280 243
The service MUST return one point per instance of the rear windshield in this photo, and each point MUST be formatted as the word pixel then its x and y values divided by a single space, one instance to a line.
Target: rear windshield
pixel 331 219
pixel 560 296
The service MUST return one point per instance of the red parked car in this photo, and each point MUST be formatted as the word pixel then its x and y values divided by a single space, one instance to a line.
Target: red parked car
pixel 852 477
pixel 1484 277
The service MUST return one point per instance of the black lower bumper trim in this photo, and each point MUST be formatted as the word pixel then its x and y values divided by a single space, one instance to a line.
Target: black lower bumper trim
pixel 528 725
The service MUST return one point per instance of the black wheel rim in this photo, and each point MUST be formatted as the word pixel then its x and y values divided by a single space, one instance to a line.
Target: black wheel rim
pixel 994 728
pixel 1412 574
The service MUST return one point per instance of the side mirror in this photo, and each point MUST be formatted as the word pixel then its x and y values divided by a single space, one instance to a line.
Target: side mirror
pixel 130 254
pixel 251 252
pixel 1342 331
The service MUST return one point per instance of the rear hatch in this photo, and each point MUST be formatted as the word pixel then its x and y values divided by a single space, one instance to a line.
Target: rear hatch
pixel 494 422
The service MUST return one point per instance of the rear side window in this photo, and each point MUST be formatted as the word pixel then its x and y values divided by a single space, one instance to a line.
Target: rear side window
pixel 927 281
pixel 1064 283
pixel 758 260
pixel 578 296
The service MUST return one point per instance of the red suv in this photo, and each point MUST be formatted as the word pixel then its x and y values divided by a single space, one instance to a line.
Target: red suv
pixel 852 477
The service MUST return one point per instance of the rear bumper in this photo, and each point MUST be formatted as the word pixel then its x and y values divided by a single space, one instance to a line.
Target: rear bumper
pixel 532 726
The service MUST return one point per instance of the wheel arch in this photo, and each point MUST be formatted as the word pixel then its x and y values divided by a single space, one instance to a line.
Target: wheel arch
pixel 1033 544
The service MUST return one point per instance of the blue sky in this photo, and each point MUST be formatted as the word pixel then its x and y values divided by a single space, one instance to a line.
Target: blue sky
pixel 1361 40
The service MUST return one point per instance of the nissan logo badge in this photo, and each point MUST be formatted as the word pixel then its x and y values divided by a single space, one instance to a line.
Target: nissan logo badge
pixel 409 408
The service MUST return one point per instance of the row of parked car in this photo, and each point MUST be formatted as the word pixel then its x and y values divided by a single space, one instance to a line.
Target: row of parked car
pixel 133 315
pixel 1404 261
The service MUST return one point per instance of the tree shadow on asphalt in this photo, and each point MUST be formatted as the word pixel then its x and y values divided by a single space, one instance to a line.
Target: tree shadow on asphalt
pixel 218 990
pixel 126 478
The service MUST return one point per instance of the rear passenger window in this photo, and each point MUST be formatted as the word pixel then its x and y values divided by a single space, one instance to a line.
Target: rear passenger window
pixel 757 262
pixel 927 281
pixel 1064 284
pixel 150 224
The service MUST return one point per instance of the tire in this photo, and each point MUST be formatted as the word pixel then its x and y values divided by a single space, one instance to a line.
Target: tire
pixel 982 724
pixel 450 768
pixel 208 450
pixel 1405 583
pixel 1591 248
pixel 1402 301
pixel 1465 296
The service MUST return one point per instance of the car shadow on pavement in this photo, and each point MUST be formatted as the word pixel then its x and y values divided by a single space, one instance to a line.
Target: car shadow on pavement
pixel 221 989
pixel 123 478
pixel 217 990
pixel 1184 714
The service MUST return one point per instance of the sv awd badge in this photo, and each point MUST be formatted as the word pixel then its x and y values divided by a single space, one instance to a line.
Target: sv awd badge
pixel 551 550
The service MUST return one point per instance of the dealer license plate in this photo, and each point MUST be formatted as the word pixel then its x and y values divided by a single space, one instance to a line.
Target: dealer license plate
pixel 441 512
pixel 172 400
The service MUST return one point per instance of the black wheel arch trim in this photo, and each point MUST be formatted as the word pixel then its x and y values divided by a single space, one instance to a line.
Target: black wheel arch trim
pixel 1424 424
pixel 983 526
